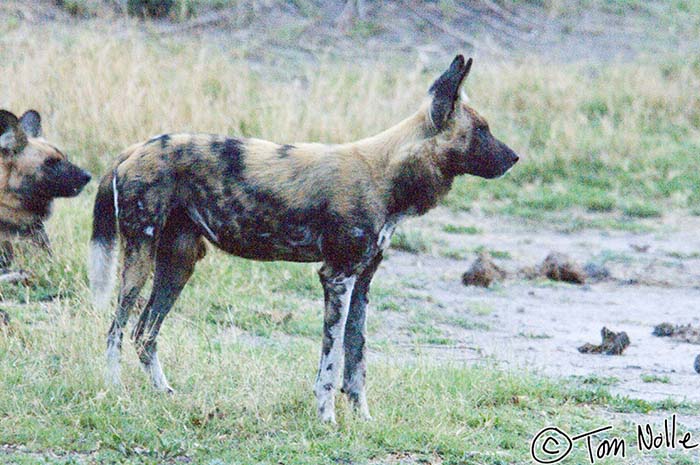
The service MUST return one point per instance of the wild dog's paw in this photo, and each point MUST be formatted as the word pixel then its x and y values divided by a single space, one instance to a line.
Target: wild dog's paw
pixel 327 415
pixel 112 378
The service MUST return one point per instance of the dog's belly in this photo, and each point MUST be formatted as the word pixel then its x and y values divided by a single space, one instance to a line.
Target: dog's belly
pixel 247 239
pixel 261 232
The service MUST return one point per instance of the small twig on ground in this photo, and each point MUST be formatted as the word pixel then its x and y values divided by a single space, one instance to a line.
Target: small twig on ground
pixel 206 20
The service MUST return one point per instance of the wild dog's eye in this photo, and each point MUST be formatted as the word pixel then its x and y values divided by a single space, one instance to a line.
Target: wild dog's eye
pixel 51 162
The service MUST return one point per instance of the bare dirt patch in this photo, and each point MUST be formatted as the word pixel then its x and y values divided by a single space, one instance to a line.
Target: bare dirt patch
pixel 537 325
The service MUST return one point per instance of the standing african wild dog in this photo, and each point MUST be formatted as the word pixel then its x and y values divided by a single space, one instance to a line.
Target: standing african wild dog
pixel 336 204
pixel 32 173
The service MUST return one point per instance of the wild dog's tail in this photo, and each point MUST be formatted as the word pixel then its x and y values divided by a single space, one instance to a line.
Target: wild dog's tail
pixel 103 265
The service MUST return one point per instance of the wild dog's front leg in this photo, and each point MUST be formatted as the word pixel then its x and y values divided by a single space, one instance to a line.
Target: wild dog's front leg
pixel 354 343
pixel 337 290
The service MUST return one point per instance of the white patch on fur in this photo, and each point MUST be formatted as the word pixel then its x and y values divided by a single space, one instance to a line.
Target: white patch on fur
pixel 431 120
pixel 115 194
pixel 384 239
pixel 148 231
pixel 155 371
pixel 326 397
pixel 103 268
pixel 385 234
pixel 7 140
pixel 197 217
pixel 463 95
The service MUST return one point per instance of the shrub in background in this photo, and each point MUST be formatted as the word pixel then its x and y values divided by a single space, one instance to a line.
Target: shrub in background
pixel 150 8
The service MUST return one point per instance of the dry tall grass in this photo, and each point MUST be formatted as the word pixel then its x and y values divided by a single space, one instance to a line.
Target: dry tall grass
pixel 101 94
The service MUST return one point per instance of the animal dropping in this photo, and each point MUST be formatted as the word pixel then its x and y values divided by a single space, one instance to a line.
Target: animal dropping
pixel 483 272
pixel 613 343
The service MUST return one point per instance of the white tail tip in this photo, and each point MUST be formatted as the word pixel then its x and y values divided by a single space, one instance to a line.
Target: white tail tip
pixel 103 268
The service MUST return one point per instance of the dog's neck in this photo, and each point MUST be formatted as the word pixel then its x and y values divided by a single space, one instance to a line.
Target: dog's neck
pixel 417 181
pixel 381 149
pixel 408 164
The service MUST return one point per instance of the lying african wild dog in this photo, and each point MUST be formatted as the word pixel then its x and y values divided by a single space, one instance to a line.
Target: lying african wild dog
pixel 337 204
pixel 32 173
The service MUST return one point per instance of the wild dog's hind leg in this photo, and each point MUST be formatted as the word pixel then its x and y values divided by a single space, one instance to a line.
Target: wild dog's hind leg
pixel 137 266
pixel 354 343
pixel 337 291
pixel 179 248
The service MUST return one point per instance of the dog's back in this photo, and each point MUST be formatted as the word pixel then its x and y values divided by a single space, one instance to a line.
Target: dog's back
pixel 250 197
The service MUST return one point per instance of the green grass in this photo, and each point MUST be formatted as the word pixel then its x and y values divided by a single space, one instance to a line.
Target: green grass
pixel 683 255
pixel 244 405
pixel 481 308
pixel 655 379
pixel 245 396
pixel 454 253
pixel 460 229
pixel 242 396
pixel 595 380
pixel 642 210
pixel 502 254
pixel 411 240
pixel 572 220
pixel 610 256
pixel 531 335
pixel 465 323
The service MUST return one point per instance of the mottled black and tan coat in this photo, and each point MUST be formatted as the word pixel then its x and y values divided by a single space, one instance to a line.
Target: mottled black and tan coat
pixel 32 173
pixel 307 202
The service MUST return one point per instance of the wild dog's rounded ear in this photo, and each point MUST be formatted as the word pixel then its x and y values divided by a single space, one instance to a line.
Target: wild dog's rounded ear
pixel 12 138
pixel 445 91
pixel 7 120
pixel 31 123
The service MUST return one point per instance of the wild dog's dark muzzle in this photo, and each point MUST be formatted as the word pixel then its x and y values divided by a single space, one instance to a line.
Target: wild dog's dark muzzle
pixel 508 158
pixel 66 180
pixel 491 163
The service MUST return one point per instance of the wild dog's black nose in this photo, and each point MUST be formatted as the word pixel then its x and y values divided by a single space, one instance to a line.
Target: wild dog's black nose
pixel 514 158
pixel 85 177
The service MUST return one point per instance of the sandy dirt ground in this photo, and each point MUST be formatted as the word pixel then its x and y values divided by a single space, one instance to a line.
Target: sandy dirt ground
pixel 537 325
